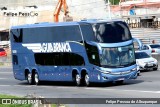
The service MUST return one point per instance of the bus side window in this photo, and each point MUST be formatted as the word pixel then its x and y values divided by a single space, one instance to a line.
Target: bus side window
pixel 15 60
pixel 57 59
pixel 79 60
pixel 17 35
pixel 93 55
pixel 76 60
pixel 65 59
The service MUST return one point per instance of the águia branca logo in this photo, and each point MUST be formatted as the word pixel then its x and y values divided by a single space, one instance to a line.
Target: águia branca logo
pixel 49 47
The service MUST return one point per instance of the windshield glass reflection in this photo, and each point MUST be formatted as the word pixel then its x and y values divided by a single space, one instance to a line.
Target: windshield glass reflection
pixel 118 57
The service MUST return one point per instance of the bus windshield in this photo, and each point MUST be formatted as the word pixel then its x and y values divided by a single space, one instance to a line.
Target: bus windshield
pixel 112 32
pixel 117 57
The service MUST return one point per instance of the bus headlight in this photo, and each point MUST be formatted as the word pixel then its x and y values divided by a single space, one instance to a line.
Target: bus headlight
pixel 134 69
pixel 105 72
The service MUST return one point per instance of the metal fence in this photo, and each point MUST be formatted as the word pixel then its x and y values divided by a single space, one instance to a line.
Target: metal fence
pixel 155 24
pixel 146 35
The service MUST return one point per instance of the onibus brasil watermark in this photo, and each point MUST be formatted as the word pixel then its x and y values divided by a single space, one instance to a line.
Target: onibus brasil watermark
pixel 80 101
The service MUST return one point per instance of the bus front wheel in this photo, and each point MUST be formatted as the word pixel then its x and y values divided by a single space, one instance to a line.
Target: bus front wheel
pixel 86 80
pixel 36 78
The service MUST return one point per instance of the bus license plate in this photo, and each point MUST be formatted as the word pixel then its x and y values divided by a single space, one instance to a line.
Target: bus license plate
pixel 150 64
pixel 121 79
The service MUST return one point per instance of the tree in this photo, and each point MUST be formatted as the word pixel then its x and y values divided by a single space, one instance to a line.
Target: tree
pixel 113 2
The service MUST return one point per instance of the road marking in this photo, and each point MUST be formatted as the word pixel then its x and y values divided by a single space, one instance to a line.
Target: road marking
pixel 68 87
pixel 16 86
pixel 2 78
pixel 5 85
pixel 100 89
pixel 142 91
pixel 23 85
pixel 6 78
pixel 6 72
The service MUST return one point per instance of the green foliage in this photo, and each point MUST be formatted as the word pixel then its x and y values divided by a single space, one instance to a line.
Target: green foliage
pixel 12 105
pixel 16 105
pixel 113 2
pixel 7 96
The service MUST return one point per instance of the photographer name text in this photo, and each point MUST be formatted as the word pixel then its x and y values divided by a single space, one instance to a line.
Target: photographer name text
pixel 20 14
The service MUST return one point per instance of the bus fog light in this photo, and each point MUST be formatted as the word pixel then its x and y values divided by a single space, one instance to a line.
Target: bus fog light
pixel 134 69
pixel 99 77
pixel 105 78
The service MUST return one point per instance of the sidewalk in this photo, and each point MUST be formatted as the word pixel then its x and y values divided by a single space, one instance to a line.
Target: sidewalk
pixel 5 61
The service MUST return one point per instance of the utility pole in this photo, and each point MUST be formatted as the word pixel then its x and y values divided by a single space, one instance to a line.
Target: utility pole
pixel 109 9
pixel 145 6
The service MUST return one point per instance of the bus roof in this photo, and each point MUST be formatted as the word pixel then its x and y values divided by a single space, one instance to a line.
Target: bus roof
pixel 44 24
pixel 49 24
pixel 93 21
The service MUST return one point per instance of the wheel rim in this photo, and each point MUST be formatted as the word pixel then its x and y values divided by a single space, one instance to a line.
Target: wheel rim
pixel 36 79
pixel 29 78
pixel 87 79
pixel 77 79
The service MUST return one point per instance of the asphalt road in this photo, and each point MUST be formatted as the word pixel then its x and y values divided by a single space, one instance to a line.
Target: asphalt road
pixel 145 86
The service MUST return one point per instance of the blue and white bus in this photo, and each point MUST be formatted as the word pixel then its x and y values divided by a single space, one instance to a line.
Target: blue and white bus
pixel 82 52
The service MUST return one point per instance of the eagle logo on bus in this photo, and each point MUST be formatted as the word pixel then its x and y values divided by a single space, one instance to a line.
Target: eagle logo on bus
pixel 49 47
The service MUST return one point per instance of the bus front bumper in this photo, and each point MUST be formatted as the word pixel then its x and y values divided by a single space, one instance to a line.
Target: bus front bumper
pixel 102 77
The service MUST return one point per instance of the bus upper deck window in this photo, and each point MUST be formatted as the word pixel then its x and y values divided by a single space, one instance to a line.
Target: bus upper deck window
pixel 17 35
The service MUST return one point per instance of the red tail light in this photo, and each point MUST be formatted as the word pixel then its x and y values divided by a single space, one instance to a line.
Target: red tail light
pixel 153 50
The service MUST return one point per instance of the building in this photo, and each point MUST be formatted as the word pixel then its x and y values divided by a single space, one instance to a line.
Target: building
pixel 139 13
pixel 18 12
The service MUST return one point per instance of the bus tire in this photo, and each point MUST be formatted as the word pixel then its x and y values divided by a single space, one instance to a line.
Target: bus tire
pixel 86 80
pixel 155 69
pixel 77 79
pixel 36 79
pixel 29 78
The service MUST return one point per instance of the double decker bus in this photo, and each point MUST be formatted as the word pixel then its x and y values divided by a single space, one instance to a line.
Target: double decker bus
pixel 82 52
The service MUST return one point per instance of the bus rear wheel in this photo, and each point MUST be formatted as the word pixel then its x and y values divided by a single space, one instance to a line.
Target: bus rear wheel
pixel 77 79
pixel 36 78
pixel 86 80
pixel 29 78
